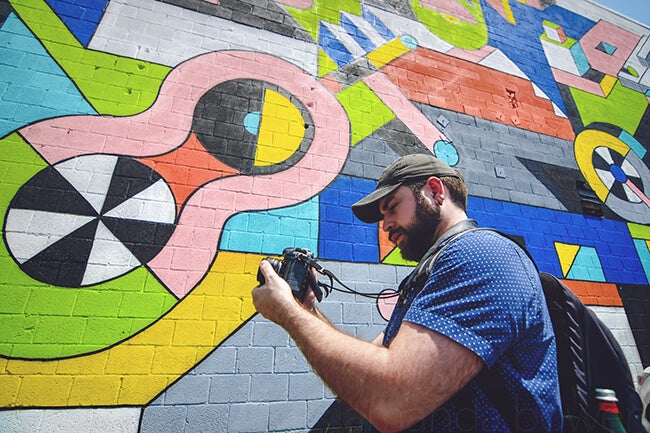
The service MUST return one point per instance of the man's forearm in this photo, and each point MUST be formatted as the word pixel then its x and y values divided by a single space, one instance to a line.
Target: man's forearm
pixel 392 387
pixel 349 366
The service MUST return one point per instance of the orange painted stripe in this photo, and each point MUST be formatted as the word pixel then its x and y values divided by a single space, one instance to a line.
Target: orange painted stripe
pixel 436 79
pixel 593 293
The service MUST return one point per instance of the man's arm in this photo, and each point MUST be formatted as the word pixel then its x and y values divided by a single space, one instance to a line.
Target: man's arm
pixel 394 387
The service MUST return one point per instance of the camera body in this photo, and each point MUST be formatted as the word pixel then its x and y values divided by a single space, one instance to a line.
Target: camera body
pixel 295 268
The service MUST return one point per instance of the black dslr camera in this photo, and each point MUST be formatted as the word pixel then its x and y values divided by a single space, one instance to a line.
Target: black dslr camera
pixel 296 269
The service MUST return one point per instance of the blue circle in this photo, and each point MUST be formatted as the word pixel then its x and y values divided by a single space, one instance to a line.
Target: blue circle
pixel 252 122
pixel 618 173
pixel 447 152
pixel 409 42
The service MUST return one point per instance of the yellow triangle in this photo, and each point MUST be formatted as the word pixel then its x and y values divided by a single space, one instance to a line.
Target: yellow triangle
pixel 387 52
pixel 567 254
pixel 282 129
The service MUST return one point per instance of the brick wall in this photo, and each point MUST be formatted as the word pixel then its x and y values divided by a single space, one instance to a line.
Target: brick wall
pixel 152 152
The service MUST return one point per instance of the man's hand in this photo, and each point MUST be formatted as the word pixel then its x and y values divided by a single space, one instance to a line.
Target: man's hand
pixel 274 298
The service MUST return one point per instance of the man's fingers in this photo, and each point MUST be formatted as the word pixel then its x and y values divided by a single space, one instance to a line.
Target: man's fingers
pixel 267 270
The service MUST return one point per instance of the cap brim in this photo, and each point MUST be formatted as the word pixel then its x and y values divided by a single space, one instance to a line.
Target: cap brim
pixel 367 209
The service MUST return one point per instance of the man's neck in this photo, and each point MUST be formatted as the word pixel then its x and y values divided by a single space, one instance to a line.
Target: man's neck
pixel 449 222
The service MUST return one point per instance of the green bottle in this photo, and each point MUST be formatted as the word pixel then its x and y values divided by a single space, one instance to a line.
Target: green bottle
pixel 608 417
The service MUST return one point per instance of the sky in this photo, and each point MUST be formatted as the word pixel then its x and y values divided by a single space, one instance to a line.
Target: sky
pixel 638 10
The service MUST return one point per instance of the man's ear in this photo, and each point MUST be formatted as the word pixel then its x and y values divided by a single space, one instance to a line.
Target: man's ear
pixel 434 189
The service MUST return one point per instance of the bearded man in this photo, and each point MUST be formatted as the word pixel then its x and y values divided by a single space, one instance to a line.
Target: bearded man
pixel 481 314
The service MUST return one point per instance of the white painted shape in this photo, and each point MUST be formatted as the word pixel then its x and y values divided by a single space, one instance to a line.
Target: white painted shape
pixel 348 41
pixel 539 92
pixel 29 232
pixel 401 26
pixel 604 153
pixel 155 204
pixel 629 169
pixel 109 258
pixel 616 320
pixel 558 111
pixel 631 195
pixel 606 177
pixel 559 57
pixel 499 61
pixel 368 29
pixel 552 33
pixel 138 29
pixel 596 12
pixel 95 420
pixel 90 175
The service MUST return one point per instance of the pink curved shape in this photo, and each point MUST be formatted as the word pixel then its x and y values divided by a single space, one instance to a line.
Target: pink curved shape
pixel 161 128
pixel 452 8
pixel 187 256
pixel 298 4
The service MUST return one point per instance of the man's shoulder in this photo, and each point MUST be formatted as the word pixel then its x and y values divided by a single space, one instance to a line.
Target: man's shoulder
pixel 480 239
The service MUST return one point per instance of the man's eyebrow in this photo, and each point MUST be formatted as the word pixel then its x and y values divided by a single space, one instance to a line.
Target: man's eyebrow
pixel 385 204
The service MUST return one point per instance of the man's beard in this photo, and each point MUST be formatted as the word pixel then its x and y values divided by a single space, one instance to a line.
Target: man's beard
pixel 420 233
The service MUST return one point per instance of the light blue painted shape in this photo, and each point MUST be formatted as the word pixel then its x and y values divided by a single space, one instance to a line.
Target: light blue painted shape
pixel 31 94
pixel 608 48
pixel 586 266
pixel 447 152
pixel 579 58
pixel 409 41
pixel 634 144
pixel 644 255
pixel 252 122
pixel 270 232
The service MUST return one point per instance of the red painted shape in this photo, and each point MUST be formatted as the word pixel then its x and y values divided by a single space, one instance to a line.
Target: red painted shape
pixel 439 80
pixel 188 167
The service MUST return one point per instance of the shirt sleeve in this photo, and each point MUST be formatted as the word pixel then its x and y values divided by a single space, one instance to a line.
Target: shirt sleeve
pixel 479 294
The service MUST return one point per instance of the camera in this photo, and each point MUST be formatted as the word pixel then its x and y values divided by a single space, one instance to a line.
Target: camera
pixel 295 268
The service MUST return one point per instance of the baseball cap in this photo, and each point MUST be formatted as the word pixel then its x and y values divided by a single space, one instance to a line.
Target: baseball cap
pixel 404 170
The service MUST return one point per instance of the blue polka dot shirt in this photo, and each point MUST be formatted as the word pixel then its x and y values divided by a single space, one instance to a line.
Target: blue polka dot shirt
pixel 484 293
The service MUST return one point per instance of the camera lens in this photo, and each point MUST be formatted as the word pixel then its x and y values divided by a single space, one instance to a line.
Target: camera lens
pixel 275 263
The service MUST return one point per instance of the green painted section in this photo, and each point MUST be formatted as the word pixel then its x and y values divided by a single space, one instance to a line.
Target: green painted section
pixel 366 111
pixel 324 10
pixel 462 34
pixel 111 84
pixel 623 107
pixel 639 231
pixel 395 258
pixel 325 63
pixel 38 320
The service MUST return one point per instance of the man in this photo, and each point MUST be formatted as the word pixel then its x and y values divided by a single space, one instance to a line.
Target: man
pixel 481 311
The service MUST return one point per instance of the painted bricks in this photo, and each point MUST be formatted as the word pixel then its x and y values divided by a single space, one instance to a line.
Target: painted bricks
pixel 514 146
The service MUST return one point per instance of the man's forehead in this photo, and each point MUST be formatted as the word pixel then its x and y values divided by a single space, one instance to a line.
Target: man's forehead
pixel 384 202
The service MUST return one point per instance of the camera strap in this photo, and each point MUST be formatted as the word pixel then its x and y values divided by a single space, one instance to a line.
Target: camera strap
pixel 328 288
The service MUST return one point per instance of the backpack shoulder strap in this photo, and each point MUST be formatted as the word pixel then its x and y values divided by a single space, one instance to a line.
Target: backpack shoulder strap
pixel 417 278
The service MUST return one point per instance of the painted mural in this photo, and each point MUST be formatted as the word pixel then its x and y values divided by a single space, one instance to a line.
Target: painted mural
pixel 152 152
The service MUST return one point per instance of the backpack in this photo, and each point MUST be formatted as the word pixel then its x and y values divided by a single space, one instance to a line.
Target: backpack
pixel 588 355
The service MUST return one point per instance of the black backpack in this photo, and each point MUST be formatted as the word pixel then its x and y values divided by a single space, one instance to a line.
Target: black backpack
pixel 589 356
